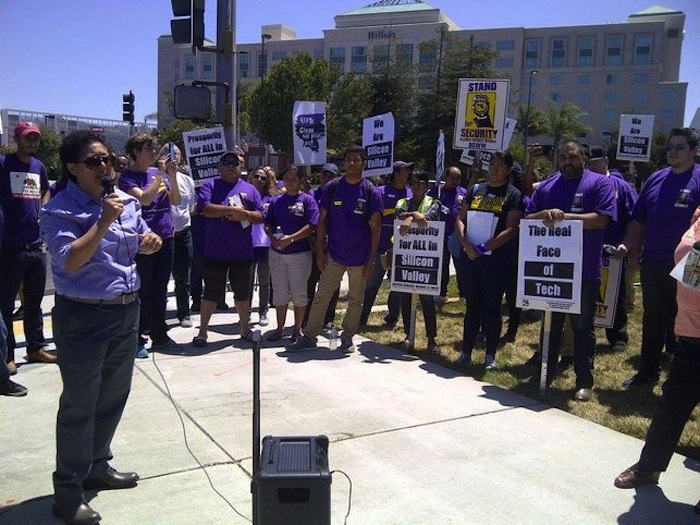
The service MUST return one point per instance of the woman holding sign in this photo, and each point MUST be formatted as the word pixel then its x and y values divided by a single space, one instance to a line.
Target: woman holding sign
pixel 487 224
pixel 418 210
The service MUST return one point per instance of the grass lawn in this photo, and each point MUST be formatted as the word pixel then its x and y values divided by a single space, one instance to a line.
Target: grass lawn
pixel 627 411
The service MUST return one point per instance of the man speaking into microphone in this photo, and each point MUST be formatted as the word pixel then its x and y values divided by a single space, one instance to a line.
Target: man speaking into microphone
pixel 93 232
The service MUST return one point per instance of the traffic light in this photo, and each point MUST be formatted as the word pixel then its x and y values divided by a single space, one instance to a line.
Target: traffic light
pixel 190 29
pixel 128 107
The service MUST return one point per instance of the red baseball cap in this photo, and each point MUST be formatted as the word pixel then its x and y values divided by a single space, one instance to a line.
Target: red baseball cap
pixel 25 128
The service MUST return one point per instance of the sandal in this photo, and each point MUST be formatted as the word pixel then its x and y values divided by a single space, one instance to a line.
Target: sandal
pixel 434 349
pixel 199 341
pixel 276 335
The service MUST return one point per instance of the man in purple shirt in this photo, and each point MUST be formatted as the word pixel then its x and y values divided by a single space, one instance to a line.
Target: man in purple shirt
pixel 93 233
pixel 351 215
pixel 450 194
pixel 24 186
pixel 575 193
pixel 390 193
pixel 614 232
pixel 230 205
pixel 660 217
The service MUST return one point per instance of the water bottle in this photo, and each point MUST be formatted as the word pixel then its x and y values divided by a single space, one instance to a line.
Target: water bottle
pixel 278 233
pixel 333 338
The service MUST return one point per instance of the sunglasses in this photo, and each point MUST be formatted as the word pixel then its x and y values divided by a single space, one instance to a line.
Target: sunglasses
pixel 233 162
pixel 96 162
pixel 262 178
pixel 151 147
pixel 677 147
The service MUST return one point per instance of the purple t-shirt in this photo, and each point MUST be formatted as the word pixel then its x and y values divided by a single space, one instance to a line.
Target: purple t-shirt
pixel 390 196
pixel 156 214
pixel 591 192
pixel 349 208
pixel 665 206
pixel 21 188
pixel 227 239
pixel 626 198
pixel 292 213
pixel 452 201
pixel 260 238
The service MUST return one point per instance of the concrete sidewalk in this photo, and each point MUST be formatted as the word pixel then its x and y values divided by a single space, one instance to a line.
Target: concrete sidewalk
pixel 422 444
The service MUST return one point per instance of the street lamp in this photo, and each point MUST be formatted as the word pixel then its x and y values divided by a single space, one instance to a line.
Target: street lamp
pixel 263 61
pixel 527 109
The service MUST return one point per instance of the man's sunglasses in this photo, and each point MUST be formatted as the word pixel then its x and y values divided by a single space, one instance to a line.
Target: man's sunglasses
pixel 233 162
pixel 95 162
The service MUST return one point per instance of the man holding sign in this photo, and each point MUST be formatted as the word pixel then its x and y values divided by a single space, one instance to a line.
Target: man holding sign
pixel 575 193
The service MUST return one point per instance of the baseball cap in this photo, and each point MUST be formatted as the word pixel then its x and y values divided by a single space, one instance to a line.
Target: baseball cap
pixel 330 167
pixel 25 128
pixel 402 164
pixel 235 153
pixel 597 153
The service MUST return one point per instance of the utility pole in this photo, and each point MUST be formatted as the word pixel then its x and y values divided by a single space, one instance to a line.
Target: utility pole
pixel 225 67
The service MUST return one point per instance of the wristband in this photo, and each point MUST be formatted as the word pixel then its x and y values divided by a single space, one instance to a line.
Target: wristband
pixel 482 249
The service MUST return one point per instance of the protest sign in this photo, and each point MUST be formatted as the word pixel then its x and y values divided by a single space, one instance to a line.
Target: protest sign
pixel 378 141
pixel 203 149
pixel 309 133
pixel 481 114
pixel 417 259
pixel 635 138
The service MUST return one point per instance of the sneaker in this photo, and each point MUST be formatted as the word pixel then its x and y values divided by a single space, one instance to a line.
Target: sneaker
pixel 619 346
pixel 12 389
pixel 168 346
pixel 346 346
pixel 263 320
pixel 463 359
pixel 43 355
pixel 18 314
pixel 302 343
pixel 390 322
pixel 141 352
pixel 639 380
pixel 186 322
pixel 490 363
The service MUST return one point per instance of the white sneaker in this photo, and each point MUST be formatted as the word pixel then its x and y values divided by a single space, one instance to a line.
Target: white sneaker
pixel 263 320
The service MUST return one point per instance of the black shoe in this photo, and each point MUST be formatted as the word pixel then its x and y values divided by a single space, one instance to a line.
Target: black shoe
pixel 196 307
pixel 390 322
pixel 83 515
pixel 222 307
pixel 18 314
pixel 565 362
pixel 12 389
pixel 640 380
pixel 535 360
pixel 111 480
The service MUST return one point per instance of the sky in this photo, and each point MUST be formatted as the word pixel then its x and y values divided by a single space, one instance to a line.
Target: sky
pixel 79 56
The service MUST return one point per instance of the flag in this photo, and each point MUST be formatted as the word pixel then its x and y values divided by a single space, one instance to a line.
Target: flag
pixel 440 157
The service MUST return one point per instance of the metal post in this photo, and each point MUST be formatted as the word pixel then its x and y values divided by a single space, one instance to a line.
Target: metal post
pixel 263 59
pixel 225 72
pixel 256 420
pixel 412 328
pixel 527 110
pixel 546 331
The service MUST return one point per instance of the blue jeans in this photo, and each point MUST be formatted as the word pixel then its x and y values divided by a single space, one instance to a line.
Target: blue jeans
pixel 24 267
pixel 154 271
pixel 96 349
pixel 182 262
pixel 584 337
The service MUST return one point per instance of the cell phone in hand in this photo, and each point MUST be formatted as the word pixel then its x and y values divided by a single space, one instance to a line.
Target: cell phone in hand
pixel 171 151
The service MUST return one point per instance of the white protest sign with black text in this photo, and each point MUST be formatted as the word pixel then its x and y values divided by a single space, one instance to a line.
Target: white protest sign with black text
pixel 203 148
pixel 378 141
pixel 417 259
pixel 309 133
pixel 634 141
pixel 550 261
pixel 609 290
pixel 480 121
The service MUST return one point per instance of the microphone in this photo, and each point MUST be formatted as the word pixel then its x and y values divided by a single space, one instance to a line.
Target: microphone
pixel 107 184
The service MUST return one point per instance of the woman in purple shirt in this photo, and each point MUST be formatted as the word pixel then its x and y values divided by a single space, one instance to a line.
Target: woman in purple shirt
pixel 291 218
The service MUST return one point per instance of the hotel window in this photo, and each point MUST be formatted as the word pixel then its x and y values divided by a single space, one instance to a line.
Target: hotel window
pixel 358 59
pixel 318 53
pixel 641 78
pixel 642 50
pixel 262 64
pixel 556 97
pixel 612 78
pixel 532 53
pixel 505 45
pixel 556 80
pixel 613 51
pixel 243 65
pixel 610 96
pixel 668 96
pixel 427 57
pixel 585 51
pixel 583 98
pixel 189 68
pixel 583 80
pixel 558 52
pixel 504 62
pixel 404 54
pixel 207 67
pixel 338 57
pixel 639 96
pixel 278 55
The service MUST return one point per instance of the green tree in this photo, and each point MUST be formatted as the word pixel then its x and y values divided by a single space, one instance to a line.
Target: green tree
pixel 173 133
pixel 350 102
pixel 564 122
pixel 271 103
pixel 533 119
pixel 455 58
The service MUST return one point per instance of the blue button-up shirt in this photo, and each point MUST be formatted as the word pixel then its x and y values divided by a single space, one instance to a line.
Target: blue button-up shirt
pixel 111 271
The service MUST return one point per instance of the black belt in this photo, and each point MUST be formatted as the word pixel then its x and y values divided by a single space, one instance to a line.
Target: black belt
pixel 126 298
pixel 182 232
